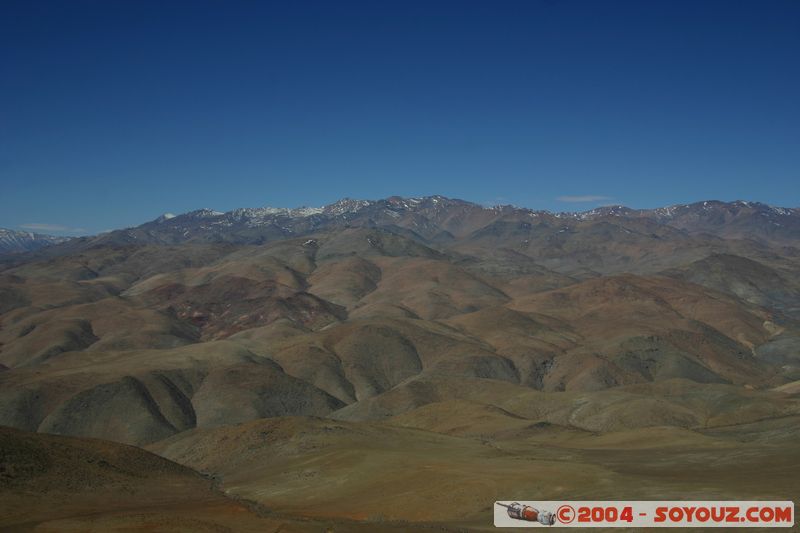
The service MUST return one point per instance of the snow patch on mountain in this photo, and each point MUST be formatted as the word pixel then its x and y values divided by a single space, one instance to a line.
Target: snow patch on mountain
pixel 12 241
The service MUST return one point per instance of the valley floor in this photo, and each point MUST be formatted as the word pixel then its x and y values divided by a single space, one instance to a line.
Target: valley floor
pixel 312 474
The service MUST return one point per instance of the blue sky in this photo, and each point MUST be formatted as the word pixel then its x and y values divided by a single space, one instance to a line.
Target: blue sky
pixel 112 113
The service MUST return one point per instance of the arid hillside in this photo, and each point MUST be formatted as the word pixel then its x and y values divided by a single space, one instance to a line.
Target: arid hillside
pixel 370 361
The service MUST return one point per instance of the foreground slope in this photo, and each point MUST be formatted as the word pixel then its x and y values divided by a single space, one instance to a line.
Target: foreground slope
pixel 50 483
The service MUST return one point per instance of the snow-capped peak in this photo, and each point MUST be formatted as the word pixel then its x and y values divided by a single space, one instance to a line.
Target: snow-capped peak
pixel 22 241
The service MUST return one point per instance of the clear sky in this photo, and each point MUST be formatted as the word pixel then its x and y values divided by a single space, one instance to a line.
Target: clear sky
pixel 112 113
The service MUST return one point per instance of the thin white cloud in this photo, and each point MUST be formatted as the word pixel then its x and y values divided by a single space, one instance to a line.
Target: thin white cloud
pixel 54 228
pixel 584 198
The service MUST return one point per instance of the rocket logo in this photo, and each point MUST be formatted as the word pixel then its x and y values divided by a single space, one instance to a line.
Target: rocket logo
pixel 527 513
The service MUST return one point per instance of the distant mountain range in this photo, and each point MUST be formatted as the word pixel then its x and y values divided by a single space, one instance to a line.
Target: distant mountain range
pixel 440 219
pixel 438 216
pixel 23 241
